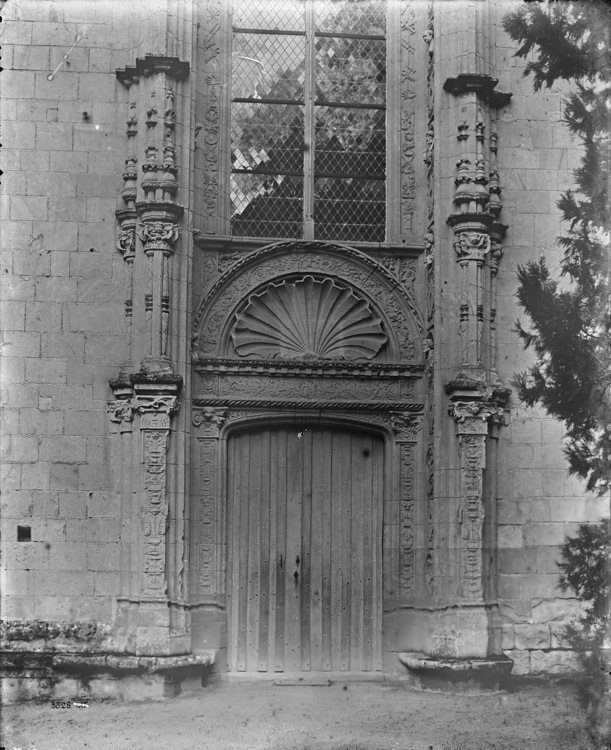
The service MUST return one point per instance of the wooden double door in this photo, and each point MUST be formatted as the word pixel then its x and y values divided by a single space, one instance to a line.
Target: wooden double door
pixel 304 567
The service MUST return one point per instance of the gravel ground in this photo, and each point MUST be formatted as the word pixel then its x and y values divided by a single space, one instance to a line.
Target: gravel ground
pixel 351 716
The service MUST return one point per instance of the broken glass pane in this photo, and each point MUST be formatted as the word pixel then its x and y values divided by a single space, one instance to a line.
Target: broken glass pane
pixel 268 66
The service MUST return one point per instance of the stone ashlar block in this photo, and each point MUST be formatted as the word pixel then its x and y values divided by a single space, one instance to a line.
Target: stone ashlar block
pixel 67 396
pixel 54 289
pixel 518 560
pixel 9 422
pixel 18 84
pixel 94 318
pixel 553 662
pixel 16 32
pixel 72 504
pixel 85 423
pixel 82 529
pixel 571 510
pixel 99 60
pixel 45 371
pixel 28 208
pixel 13 315
pixel 532 636
pixel 79 59
pixel 103 556
pixel 18 288
pixel 544 534
pixel 13 370
pixel 101 290
pixel 69 449
pixel 94 477
pixel 97 186
pixel 91 264
pixel 34 161
pixel 106 349
pixel 554 610
pixel 30 57
pixel 54 34
pixel 68 555
pixel 63 345
pixel 54 136
pixel 73 163
pixel 521 661
pixel 10 477
pixel 22 344
pixel 109 529
pixel 521 586
pixel 63 476
pixel 50 183
pixel 78 373
pixel 18 448
pixel 510 537
pixel 19 395
pixel 507 637
pixel 31 262
pixel 54 236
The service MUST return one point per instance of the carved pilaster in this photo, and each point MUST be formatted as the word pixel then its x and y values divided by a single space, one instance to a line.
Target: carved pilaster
pixel 472 418
pixel 155 413
pixel 150 211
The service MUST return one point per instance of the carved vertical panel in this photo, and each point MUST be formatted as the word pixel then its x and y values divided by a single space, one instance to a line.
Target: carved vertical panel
pixel 408 117
pixel 211 46
pixel 155 510
pixel 207 514
pixel 407 519
pixel 471 513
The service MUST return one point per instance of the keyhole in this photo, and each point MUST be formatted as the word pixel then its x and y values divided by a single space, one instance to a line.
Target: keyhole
pixel 296 576
pixel 297 560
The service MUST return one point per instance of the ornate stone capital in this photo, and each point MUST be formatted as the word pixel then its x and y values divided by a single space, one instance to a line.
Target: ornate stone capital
pixel 158 235
pixel 126 241
pixel 121 412
pixel 472 246
pixel 210 419
pixel 406 426
pixel 473 416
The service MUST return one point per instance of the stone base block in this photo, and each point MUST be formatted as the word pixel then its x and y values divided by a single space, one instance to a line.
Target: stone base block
pixel 86 677
pixel 456 675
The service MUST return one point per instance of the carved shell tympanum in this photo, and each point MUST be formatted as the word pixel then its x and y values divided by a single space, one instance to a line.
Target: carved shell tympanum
pixel 308 319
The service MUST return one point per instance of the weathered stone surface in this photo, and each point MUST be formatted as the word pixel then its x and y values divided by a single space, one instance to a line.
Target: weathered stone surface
pixel 553 662
pixel 531 636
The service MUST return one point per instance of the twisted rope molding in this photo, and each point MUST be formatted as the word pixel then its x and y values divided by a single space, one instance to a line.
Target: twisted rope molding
pixel 354 406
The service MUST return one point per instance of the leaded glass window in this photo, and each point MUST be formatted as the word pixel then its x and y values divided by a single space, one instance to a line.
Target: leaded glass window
pixel 308 119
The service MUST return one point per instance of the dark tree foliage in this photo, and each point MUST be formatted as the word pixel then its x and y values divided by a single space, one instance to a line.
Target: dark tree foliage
pixel 585 567
pixel 570 315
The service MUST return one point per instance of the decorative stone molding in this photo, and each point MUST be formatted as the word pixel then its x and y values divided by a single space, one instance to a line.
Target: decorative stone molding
pixel 121 412
pixel 407 500
pixel 308 319
pixel 463 411
pixel 210 419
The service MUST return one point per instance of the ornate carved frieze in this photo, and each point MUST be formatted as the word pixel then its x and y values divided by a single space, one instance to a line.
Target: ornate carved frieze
pixel 121 412
pixel 308 319
pixel 243 386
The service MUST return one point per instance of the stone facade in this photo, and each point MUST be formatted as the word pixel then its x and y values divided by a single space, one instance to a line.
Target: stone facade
pixel 122 378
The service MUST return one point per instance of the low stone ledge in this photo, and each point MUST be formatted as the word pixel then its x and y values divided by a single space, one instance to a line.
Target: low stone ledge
pixel 47 675
pixel 445 673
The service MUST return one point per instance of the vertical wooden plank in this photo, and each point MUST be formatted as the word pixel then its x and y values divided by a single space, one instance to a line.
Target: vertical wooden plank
pixel 326 500
pixel 368 459
pixel 308 440
pixel 345 459
pixel 233 569
pixel 281 567
pixel 274 555
pixel 294 480
pixel 243 458
pixel 318 488
pixel 254 552
pixel 356 552
pixel 377 520
pixel 336 553
pixel 264 560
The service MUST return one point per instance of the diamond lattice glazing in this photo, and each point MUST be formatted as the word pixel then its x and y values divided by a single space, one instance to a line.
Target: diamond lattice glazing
pixel 268 66
pixel 351 16
pixel 283 15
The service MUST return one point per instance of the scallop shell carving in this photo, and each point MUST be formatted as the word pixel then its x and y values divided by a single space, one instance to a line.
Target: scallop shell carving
pixel 308 319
